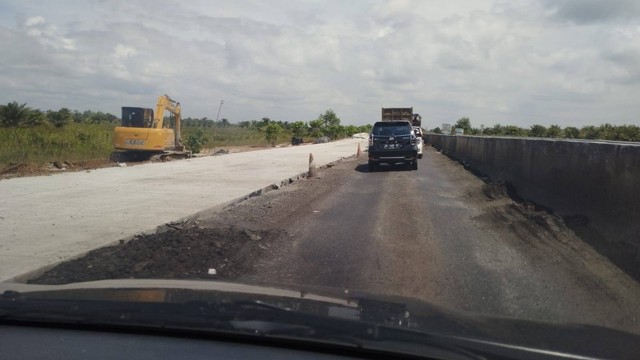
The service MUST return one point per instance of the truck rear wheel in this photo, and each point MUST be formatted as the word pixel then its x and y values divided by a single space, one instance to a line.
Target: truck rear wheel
pixel 414 166
pixel 372 166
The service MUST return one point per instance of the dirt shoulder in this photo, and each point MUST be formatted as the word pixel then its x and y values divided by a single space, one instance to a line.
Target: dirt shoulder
pixel 32 169
pixel 14 170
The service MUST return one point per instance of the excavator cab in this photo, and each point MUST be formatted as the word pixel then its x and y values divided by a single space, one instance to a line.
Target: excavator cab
pixel 137 117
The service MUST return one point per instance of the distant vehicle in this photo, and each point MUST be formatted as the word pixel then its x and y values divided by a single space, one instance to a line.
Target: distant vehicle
pixel 144 134
pixel 393 114
pixel 393 142
pixel 420 143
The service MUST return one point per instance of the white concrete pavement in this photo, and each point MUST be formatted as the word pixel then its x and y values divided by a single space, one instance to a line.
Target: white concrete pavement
pixel 46 219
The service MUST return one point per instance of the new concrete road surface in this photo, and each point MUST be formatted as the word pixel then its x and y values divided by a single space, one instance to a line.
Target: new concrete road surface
pixel 46 219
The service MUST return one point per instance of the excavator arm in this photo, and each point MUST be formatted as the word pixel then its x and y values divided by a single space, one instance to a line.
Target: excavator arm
pixel 172 106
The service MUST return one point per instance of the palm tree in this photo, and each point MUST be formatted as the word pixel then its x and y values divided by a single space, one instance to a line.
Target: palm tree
pixel 265 121
pixel 60 118
pixel 13 114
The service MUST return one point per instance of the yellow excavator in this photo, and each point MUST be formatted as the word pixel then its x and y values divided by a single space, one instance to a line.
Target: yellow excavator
pixel 144 134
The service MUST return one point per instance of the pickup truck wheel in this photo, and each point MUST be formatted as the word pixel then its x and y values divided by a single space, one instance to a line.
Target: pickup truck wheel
pixel 414 166
pixel 372 166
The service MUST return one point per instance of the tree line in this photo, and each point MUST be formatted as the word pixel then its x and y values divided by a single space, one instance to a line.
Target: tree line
pixel 327 124
pixel 21 115
pixel 590 132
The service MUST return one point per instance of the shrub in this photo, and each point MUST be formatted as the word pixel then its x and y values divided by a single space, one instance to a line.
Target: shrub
pixel 195 141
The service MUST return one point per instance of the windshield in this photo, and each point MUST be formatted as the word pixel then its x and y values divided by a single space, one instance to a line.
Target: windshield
pixel 251 143
pixel 133 117
pixel 392 128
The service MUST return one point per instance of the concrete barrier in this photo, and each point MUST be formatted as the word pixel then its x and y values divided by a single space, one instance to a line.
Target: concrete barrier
pixel 593 185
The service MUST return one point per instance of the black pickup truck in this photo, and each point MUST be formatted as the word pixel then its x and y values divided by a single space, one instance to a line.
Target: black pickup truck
pixel 392 142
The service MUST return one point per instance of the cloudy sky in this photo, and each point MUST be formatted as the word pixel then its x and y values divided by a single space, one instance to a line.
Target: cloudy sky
pixel 570 62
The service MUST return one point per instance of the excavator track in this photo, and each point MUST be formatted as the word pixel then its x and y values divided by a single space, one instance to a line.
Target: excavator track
pixel 140 156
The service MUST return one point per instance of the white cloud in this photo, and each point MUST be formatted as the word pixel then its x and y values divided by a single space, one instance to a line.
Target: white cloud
pixel 491 60
pixel 33 21
pixel 123 51
pixel 48 34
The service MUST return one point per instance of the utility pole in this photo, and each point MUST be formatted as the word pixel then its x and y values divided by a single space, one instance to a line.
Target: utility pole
pixel 216 122
pixel 220 108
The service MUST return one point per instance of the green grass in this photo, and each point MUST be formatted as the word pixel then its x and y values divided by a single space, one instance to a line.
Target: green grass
pixel 234 136
pixel 73 143
pixel 88 142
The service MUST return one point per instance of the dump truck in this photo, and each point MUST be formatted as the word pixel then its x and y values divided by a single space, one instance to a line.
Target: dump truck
pixel 399 114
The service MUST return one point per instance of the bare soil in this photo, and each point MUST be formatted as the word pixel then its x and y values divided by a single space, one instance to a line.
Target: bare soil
pixel 189 253
pixel 14 170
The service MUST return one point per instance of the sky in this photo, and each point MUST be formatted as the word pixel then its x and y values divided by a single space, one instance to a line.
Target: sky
pixel 566 62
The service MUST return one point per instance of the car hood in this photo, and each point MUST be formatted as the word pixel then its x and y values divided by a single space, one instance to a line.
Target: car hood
pixel 405 313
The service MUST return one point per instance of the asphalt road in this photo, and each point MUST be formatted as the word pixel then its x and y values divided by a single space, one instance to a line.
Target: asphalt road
pixel 434 234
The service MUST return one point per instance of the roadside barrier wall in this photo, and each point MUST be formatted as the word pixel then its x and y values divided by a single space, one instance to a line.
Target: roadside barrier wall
pixel 594 185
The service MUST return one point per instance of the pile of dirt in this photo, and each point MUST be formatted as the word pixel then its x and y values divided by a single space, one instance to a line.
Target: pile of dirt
pixel 500 189
pixel 190 253
pixel 521 211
